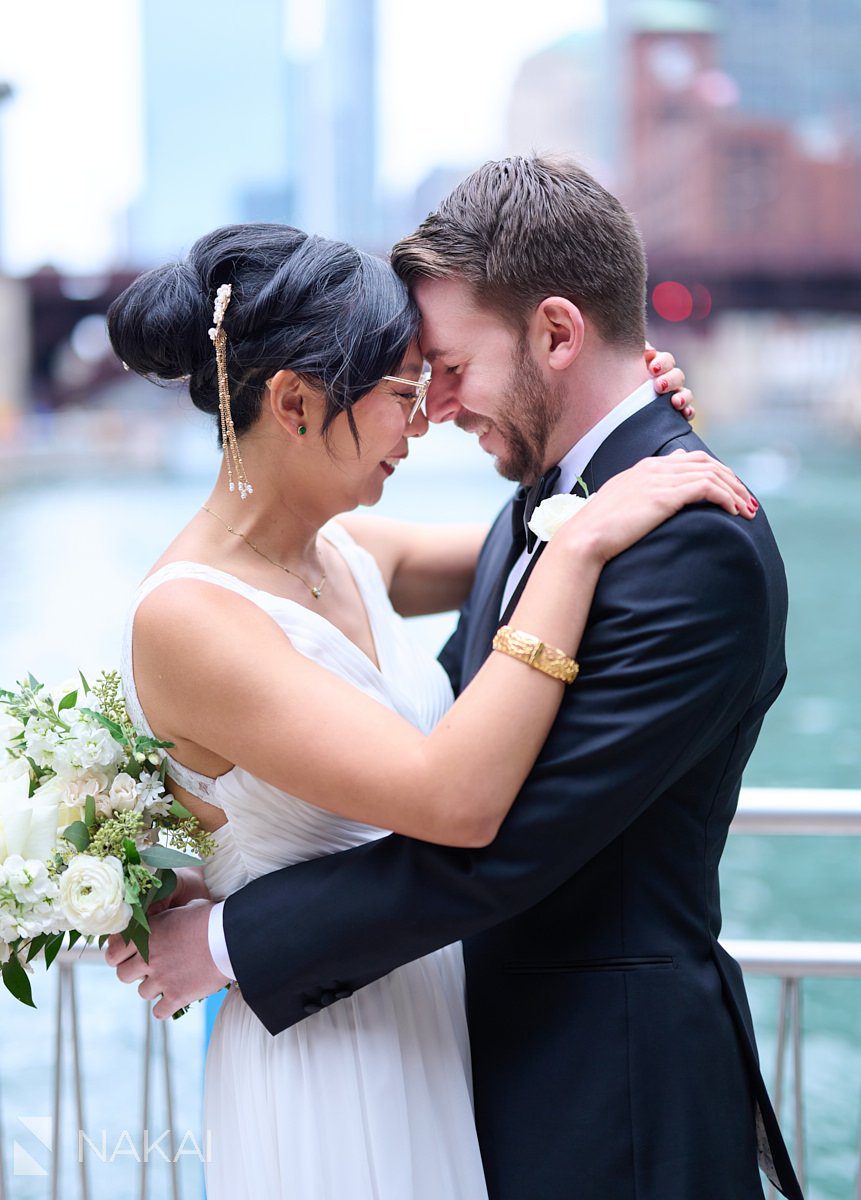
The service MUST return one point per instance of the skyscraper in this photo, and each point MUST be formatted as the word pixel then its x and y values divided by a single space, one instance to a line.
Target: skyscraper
pixel 333 124
pixel 214 82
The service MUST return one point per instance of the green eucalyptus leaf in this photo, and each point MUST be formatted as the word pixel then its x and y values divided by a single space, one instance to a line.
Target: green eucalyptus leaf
pixel 17 980
pixel 132 853
pixel 68 701
pixel 166 856
pixel 90 811
pixel 78 835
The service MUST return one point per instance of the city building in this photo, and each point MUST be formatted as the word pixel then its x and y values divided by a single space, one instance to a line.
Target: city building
pixel 246 120
pixel 215 128
pixel 731 162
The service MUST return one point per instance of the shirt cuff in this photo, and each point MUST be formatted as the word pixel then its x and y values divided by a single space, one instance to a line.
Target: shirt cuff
pixel 218 942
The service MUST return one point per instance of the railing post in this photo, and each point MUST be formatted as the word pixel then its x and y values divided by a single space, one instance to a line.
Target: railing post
pixel 58 1082
pixel 797 1081
pixel 2 1159
pixel 779 1058
pixel 145 1098
pixel 78 1079
pixel 168 1096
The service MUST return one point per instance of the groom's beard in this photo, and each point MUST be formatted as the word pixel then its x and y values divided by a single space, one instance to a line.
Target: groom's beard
pixel 527 417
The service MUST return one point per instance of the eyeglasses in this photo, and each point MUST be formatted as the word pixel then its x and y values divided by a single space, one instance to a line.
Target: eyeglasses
pixel 421 385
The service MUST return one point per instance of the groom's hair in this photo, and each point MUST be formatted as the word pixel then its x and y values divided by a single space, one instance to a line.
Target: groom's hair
pixel 522 229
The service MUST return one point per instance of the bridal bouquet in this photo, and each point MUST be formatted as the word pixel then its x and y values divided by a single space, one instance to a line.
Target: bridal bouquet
pixel 88 837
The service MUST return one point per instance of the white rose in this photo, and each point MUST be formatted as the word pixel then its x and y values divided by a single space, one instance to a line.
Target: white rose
pixel 28 826
pixel 92 891
pixel 552 513
pixel 124 794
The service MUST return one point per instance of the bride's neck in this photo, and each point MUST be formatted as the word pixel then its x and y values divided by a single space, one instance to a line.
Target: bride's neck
pixel 281 516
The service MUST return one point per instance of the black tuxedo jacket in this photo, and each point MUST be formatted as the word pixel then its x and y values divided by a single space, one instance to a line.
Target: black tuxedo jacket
pixel 613 1051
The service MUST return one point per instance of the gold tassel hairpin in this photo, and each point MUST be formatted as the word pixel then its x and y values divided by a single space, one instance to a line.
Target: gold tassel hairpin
pixel 235 470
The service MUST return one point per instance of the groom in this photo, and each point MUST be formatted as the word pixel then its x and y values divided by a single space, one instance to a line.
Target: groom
pixel 613 1050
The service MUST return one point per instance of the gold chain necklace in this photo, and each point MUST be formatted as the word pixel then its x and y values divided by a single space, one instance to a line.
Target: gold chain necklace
pixel 315 591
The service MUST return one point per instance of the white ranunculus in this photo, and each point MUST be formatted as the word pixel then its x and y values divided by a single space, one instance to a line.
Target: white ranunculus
pixel 28 826
pixel 552 513
pixel 92 891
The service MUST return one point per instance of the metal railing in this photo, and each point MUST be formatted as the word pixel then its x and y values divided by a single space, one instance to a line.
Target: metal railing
pixel 67 1032
pixel 808 812
pixel 761 811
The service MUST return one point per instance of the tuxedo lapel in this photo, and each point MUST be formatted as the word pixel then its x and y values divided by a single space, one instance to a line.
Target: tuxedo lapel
pixel 641 436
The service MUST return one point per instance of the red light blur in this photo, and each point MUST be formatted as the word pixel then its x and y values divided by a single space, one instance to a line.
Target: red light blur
pixel 672 301
pixel 702 301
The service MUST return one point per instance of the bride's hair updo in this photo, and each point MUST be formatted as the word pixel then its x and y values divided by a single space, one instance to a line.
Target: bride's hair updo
pixel 340 318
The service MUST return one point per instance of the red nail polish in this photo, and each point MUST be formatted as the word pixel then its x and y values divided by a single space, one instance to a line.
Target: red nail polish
pixel 656 368
pixel 662 385
pixel 754 503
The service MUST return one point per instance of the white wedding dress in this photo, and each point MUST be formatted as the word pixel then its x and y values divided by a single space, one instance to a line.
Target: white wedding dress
pixel 370 1098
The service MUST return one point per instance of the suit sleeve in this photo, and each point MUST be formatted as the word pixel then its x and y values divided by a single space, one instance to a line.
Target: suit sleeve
pixel 671 660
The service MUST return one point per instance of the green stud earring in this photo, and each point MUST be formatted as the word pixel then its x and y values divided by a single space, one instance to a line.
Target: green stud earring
pixel 303 429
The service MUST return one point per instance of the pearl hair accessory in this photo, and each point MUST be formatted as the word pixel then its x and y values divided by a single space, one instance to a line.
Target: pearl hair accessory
pixel 229 440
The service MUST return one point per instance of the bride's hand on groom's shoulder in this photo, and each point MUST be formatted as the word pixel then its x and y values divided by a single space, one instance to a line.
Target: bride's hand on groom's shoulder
pixel 180 969
pixel 634 502
pixel 667 377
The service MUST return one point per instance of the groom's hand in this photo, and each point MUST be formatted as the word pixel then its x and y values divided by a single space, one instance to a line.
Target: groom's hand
pixel 180 968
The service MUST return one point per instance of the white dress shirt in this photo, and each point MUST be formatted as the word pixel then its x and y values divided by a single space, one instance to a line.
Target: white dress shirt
pixel 573 464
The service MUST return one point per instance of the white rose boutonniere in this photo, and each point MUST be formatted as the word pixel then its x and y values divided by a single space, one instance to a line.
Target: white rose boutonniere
pixel 552 513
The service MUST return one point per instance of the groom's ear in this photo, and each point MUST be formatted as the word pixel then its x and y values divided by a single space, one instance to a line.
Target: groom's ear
pixel 558 331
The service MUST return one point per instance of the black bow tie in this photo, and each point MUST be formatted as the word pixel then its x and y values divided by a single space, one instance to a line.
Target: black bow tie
pixel 526 500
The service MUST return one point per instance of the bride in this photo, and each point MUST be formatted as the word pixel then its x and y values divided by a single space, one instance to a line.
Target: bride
pixel 267 643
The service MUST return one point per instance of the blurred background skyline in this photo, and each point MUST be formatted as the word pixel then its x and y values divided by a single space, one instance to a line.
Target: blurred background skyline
pixel 731 128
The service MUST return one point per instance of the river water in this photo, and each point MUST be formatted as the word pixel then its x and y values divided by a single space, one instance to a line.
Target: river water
pixel 73 550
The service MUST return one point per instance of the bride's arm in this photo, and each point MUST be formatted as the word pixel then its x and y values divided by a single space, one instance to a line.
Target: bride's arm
pixel 214 670
pixel 427 568
pixel 430 568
